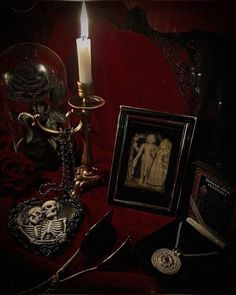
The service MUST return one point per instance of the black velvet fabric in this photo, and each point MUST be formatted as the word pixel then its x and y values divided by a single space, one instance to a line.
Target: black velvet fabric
pixel 198 274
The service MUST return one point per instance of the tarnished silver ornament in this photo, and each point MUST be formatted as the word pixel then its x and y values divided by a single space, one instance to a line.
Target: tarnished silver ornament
pixel 44 227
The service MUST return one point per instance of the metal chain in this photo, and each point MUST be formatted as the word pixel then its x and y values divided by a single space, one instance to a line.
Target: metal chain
pixel 67 166
pixel 188 254
pixel 68 161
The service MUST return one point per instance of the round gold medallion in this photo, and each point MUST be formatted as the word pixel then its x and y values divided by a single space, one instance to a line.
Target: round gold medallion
pixel 166 261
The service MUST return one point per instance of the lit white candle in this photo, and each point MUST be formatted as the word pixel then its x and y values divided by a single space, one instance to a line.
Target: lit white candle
pixel 84 49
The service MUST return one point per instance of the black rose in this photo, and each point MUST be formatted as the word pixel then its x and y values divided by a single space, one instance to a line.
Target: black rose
pixel 28 81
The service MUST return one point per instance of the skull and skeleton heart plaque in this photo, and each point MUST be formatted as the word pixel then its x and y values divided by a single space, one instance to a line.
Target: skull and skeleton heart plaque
pixel 45 226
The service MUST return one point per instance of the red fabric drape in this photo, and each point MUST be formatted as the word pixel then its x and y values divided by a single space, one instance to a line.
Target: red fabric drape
pixel 185 16
pixel 128 69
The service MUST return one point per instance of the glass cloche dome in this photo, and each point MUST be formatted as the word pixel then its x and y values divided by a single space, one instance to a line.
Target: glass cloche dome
pixel 33 81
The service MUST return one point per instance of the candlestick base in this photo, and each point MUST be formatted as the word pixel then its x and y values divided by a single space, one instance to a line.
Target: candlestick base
pixel 89 103
pixel 86 175
pixel 85 100
pixel 86 178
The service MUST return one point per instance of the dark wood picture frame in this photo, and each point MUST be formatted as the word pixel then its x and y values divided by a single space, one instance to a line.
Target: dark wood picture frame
pixel 150 159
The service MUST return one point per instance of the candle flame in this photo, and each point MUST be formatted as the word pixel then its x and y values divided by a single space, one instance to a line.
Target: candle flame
pixel 84 22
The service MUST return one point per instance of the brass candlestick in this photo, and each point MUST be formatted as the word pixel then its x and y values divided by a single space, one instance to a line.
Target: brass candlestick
pixel 86 175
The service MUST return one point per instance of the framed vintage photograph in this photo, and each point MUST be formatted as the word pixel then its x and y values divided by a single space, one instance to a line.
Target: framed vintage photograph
pixel 150 159
pixel 212 208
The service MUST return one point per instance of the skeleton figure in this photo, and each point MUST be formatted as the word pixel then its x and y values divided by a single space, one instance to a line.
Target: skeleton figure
pixel 44 226
pixel 33 230
pixel 50 209
pixel 53 229
pixel 35 215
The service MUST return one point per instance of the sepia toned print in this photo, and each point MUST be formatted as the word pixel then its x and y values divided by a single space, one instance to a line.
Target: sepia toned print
pixel 148 162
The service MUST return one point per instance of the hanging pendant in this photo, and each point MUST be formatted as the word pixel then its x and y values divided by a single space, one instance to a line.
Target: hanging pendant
pixel 166 261
pixel 45 227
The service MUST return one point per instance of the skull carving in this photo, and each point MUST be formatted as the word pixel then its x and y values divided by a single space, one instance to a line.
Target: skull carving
pixel 35 215
pixel 50 209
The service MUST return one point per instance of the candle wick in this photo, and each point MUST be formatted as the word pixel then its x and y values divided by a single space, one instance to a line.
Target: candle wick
pixel 84 38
